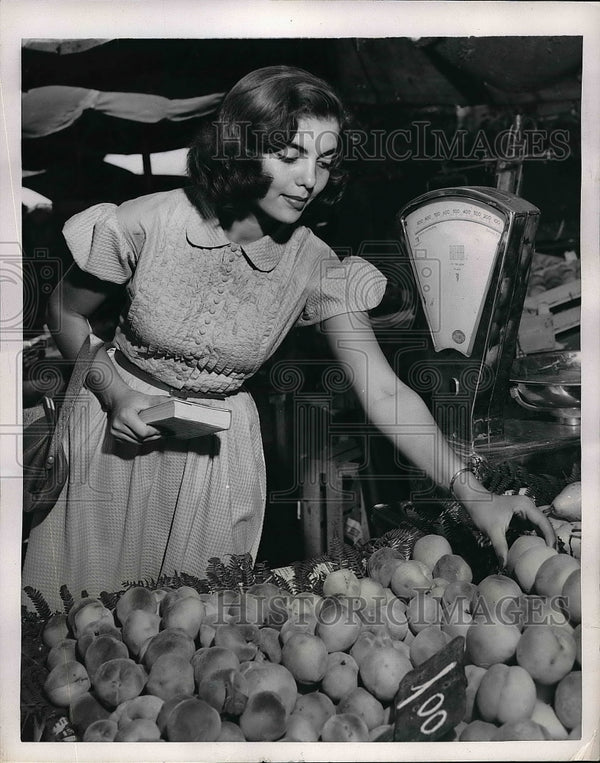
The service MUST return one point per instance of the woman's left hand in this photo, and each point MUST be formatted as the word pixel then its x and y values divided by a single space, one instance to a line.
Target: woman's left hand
pixel 493 517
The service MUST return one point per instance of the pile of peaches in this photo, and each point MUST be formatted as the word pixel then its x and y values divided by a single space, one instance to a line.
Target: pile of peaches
pixel 264 665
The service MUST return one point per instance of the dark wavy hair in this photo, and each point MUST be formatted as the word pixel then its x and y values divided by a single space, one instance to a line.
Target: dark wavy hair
pixel 260 115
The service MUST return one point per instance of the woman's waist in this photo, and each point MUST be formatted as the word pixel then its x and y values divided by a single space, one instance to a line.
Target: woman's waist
pixel 179 380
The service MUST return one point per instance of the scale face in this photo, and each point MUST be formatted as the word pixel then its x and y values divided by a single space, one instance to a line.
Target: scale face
pixel 455 244
pixel 470 250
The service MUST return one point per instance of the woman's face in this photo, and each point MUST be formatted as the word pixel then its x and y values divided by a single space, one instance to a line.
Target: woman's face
pixel 300 171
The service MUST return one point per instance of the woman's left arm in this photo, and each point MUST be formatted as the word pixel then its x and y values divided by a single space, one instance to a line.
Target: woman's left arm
pixel 401 414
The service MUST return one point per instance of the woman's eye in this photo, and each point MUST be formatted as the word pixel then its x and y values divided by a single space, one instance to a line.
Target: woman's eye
pixel 287 158
pixel 325 165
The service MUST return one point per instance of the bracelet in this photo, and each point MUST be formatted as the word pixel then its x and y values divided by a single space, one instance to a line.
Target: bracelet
pixel 456 475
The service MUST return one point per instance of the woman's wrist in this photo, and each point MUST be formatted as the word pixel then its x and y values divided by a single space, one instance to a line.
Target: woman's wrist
pixel 467 489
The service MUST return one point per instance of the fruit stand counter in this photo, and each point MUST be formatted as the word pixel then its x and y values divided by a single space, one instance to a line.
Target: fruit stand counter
pixel 336 648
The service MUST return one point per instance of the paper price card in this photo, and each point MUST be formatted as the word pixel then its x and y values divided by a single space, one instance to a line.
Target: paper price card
pixel 431 699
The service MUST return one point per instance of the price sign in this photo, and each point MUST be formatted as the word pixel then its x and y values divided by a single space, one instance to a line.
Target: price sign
pixel 431 699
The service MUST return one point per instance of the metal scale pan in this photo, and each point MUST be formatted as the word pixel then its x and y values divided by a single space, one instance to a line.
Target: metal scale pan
pixel 470 250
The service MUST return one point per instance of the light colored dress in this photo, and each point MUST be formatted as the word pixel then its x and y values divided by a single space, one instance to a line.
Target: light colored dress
pixel 202 315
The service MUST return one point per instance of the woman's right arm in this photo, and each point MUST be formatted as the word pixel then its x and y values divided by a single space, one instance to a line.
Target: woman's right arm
pixel 72 302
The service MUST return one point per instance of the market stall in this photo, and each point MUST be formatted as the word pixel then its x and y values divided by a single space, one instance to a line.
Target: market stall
pixel 390 619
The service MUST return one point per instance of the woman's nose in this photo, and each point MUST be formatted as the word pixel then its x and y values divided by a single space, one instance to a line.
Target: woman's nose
pixel 308 174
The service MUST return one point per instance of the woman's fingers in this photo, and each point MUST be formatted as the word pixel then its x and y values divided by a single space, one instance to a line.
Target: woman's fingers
pixel 541 521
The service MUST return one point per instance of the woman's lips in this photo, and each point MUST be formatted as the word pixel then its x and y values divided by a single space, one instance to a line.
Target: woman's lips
pixel 297 202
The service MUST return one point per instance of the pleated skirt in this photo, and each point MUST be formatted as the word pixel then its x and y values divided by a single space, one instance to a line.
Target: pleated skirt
pixel 134 512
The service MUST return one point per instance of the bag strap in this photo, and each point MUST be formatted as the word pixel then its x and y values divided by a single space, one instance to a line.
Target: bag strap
pixel 84 360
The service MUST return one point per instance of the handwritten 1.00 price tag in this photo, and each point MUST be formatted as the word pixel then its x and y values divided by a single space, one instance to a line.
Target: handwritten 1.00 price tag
pixel 431 699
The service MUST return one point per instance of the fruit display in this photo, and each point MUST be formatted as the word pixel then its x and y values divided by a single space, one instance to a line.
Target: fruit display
pixel 261 662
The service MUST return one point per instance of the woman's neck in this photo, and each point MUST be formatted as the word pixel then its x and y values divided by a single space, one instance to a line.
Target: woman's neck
pixel 246 230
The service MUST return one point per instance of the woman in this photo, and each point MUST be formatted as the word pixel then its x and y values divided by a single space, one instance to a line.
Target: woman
pixel 215 277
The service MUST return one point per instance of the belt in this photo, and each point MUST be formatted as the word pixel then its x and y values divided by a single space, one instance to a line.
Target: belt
pixel 144 376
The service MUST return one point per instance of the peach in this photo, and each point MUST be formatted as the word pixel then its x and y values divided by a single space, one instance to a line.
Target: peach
pixel 230 732
pixel 232 637
pixel 193 720
pixel 422 612
pixel 84 711
pixel 170 675
pixel 264 717
pixel 139 628
pixel 430 548
pixel 345 727
pixel 102 649
pixel 303 606
pixel 382 563
pixel 248 609
pixel 546 652
pixel 538 610
pixel 456 618
pixel 103 730
pixel 490 643
pixel 520 545
pixel 427 642
pixel 501 595
pixel 478 731
pixel 439 586
pixel 338 681
pixel 382 670
pixel 361 703
pixel 473 674
pixel 186 613
pixel 338 624
pixel 305 656
pixel 402 647
pixel 371 594
pixel 341 583
pixel 567 700
pixel 546 717
pixel 269 644
pixel 291 626
pixel 459 589
pixel 409 578
pixel 226 690
pixel 521 731
pixel 66 682
pixel 390 613
pixel 168 641
pixel 145 706
pixel 136 598
pixel 316 707
pixel 553 574
pixel 92 631
pixel 139 730
pixel 300 729
pixel 55 630
pixel 117 680
pixel 273 678
pixel 274 603
pixel 506 693
pixel 92 612
pixel 207 660
pixel 366 642
pixel 528 564
pixel 79 604
pixel 571 593
pixel 452 567
pixel 166 709
pixel 63 651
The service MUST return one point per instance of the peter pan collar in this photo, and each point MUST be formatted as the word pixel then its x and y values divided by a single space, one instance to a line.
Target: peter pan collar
pixel 207 233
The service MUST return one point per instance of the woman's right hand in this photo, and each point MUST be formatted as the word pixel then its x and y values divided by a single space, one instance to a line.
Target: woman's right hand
pixel 124 421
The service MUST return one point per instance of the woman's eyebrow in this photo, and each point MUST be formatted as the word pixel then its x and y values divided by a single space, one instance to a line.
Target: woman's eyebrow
pixel 302 150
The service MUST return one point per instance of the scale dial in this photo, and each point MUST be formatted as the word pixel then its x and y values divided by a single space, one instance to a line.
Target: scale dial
pixel 454 245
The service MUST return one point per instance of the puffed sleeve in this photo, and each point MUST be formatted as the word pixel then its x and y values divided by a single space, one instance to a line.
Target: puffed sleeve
pixel 103 243
pixel 341 286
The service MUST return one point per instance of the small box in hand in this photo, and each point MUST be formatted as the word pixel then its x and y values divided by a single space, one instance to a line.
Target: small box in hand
pixel 185 420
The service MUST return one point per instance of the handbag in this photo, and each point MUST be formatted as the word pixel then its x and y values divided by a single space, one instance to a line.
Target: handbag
pixel 45 464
